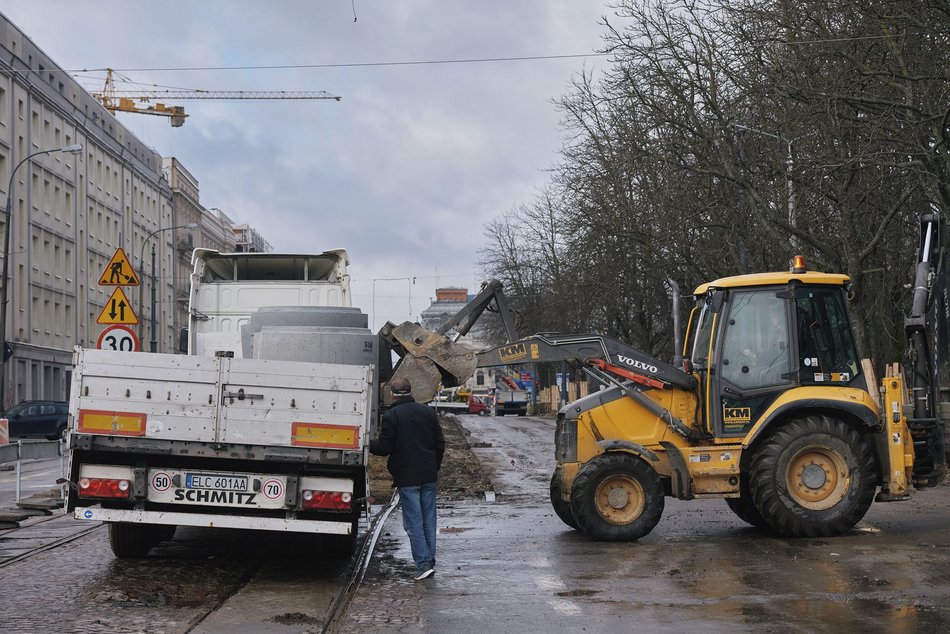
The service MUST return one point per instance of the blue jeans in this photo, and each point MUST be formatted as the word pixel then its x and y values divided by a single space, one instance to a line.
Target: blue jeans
pixel 419 520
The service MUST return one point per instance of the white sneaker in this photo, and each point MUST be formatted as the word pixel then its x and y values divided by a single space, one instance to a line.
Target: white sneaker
pixel 425 574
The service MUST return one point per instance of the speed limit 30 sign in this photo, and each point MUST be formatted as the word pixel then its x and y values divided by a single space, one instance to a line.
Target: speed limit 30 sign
pixel 118 337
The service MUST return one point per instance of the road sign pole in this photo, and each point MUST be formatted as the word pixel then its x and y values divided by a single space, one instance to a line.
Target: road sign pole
pixel 153 344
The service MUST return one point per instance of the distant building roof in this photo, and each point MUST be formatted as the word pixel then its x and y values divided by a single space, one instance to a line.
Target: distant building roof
pixel 449 301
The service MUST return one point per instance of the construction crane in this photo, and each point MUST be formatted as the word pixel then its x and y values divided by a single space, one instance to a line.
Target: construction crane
pixel 140 102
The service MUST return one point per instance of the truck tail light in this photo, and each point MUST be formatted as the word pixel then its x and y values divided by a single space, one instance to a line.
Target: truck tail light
pixel 327 500
pixel 104 488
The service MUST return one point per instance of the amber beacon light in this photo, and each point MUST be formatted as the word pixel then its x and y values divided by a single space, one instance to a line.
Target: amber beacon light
pixel 798 264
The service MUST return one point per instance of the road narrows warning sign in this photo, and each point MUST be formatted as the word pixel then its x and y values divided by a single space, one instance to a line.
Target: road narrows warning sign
pixel 119 272
pixel 118 310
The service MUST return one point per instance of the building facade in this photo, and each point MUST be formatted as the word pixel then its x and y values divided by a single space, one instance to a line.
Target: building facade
pixel 69 215
pixel 248 240
pixel 197 228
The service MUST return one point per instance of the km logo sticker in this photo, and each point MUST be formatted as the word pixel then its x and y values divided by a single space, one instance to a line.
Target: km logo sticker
pixel 736 414
pixel 516 352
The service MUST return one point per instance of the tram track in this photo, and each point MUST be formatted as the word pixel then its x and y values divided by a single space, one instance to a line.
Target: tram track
pixel 49 545
pixel 342 595
pixel 337 612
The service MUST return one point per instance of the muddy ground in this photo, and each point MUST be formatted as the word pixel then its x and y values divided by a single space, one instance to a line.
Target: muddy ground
pixel 463 476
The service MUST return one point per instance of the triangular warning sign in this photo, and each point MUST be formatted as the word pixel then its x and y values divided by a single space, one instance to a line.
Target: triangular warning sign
pixel 119 272
pixel 118 310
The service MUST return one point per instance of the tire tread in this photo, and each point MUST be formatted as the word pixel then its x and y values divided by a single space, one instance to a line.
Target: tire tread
pixel 796 522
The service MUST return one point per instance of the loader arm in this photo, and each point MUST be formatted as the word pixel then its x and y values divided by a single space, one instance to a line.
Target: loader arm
pixel 606 360
pixel 429 358
pixel 582 350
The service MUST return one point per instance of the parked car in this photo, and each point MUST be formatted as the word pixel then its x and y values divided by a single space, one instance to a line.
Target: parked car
pixel 480 404
pixel 37 419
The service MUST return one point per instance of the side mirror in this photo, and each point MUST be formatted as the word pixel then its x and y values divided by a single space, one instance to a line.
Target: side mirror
pixel 183 340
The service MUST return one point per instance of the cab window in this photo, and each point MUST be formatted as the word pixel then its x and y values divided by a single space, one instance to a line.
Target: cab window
pixel 755 347
pixel 703 329
pixel 826 344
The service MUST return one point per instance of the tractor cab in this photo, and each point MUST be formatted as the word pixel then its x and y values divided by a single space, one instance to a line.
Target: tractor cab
pixel 752 338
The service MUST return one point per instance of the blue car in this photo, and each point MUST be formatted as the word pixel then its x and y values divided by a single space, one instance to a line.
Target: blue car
pixel 38 419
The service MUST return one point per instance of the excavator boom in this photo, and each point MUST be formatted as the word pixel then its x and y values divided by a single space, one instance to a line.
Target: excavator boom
pixel 430 358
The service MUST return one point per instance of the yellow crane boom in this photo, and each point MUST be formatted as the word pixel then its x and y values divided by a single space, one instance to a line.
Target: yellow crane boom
pixel 140 102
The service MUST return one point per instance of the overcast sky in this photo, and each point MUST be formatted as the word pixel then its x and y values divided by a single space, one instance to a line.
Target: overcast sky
pixel 404 172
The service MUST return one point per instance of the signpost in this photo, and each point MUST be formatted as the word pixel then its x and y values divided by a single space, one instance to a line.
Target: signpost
pixel 118 337
pixel 117 314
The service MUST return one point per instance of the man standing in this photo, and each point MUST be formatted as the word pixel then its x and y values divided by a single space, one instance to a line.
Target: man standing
pixel 413 440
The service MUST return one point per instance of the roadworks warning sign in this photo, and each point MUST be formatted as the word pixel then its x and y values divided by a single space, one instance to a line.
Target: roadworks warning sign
pixel 119 272
pixel 118 310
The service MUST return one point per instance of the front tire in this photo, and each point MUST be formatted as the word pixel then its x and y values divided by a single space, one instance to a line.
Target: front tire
pixel 617 497
pixel 814 477
pixel 561 508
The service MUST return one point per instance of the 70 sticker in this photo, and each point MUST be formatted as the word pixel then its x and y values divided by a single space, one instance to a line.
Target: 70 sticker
pixel 272 489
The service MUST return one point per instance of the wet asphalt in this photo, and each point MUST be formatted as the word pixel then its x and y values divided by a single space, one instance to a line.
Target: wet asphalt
pixel 512 565
pixel 505 565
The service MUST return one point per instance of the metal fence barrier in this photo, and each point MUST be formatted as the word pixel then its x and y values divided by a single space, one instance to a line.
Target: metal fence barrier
pixel 20 451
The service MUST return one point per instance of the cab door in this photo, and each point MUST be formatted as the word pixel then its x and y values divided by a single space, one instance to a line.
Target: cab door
pixel 754 359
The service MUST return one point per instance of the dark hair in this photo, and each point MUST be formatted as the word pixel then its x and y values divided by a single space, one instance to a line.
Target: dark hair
pixel 400 387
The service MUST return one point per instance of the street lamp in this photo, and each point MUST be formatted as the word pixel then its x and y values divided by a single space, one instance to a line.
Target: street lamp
pixel 76 148
pixel 411 280
pixel 153 344
pixel 788 172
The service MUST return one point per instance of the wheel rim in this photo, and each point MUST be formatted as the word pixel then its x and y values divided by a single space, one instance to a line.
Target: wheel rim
pixel 620 499
pixel 818 477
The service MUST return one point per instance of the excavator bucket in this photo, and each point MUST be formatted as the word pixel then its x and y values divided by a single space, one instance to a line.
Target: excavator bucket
pixel 429 358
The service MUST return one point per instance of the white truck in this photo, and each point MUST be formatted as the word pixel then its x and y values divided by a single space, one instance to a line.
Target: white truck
pixel 264 424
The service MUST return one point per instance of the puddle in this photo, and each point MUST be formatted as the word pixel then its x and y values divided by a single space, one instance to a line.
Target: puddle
pixel 578 593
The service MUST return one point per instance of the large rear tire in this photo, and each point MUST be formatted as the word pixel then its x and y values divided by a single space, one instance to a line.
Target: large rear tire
pixel 617 497
pixel 744 507
pixel 561 508
pixel 813 477
pixel 130 541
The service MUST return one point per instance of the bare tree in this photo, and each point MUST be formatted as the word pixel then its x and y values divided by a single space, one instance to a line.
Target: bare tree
pixel 728 135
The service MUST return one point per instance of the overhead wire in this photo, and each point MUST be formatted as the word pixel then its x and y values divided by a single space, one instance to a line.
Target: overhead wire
pixel 474 60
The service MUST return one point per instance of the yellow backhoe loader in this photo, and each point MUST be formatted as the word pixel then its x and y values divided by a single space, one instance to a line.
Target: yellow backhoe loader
pixel 768 407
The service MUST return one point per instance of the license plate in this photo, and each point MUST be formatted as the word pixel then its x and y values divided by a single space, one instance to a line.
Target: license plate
pixel 171 486
pixel 218 482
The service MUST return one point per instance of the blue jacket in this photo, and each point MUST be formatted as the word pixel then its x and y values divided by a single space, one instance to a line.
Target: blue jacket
pixel 412 438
